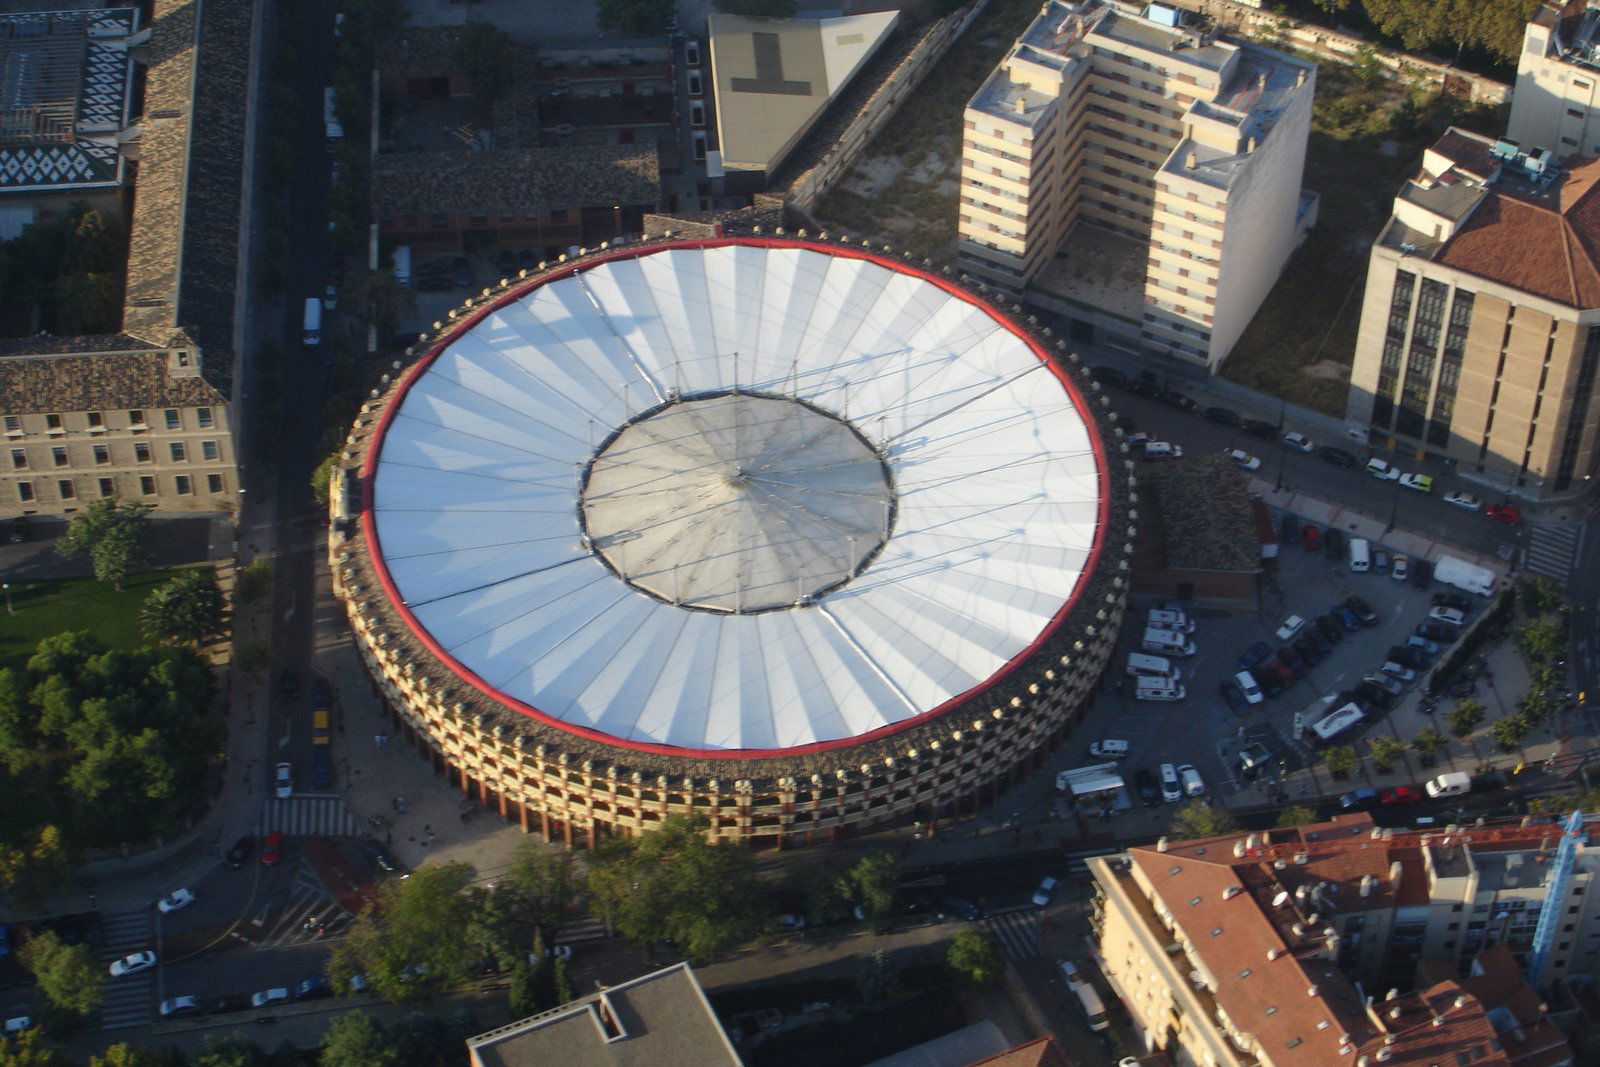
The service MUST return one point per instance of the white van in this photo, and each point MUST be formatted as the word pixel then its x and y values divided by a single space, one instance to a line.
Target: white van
pixel 1360 555
pixel 1143 666
pixel 1159 689
pixel 1166 642
pixel 1085 997
pixel 1171 620
pixel 1162 450
pixel 1449 785
pixel 312 334
pixel 401 258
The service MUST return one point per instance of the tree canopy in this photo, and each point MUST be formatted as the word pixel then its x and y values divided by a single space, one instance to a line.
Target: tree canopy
pixel 113 534
pixel 974 955
pixel 416 941
pixel 1494 26
pixel 356 1039
pixel 1199 819
pixel 636 18
pixel 187 609
pixel 63 275
pixel 673 884
pixel 67 975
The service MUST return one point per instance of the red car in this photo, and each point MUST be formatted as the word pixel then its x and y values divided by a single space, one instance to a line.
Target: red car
pixel 272 848
pixel 1506 513
pixel 1399 794
pixel 1311 536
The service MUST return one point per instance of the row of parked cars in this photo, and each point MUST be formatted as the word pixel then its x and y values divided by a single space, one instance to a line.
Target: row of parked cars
pixel 1264 672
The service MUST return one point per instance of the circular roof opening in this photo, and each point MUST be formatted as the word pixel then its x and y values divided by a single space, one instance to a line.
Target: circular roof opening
pixel 737 502
pixel 734 498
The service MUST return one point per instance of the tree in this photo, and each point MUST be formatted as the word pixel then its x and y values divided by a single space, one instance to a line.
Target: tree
pixel 872 882
pixel 521 995
pixel 1339 760
pixel 414 942
pixel 1199 819
pixel 356 1039
pixel 89 303
pixel 1465 717
pixel 1535 707
pixel 1296 815
pixel 254 581
pixel 187 609
pixel 672 883
pixel 484 54
pixel 231 1051
pixel 123 1054
pixel 31 1048
pixel 561 980
pixel 1385 751
pixel 32 874
pixel 1511 730
pixel 113 534
pixel 1495 26
pixel 1429 743
pixel 255 657
pixel 67 975
pixel 877 977
pixel 1544 639
pixel 322 478
pixel 974 955
pixel 636 18
pixel 384 300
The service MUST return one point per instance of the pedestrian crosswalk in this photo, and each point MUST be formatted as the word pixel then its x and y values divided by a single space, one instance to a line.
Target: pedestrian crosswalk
pixel 310 907
pixel 1017 930
pixel 126 1000
pixel 1553 550
pixel 307 815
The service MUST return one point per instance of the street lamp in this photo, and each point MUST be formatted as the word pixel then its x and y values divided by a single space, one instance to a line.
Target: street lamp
pixel 7 587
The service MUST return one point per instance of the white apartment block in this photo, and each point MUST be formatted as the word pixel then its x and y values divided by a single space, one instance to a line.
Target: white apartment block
pixel 1132 120
pixel 1555 103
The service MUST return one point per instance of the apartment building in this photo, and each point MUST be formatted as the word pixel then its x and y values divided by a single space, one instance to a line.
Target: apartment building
pixel 1479 339
pixel 1555 103
pixel 1141 122
pixel 1341 942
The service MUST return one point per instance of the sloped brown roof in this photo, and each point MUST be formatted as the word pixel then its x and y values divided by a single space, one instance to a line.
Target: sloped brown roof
pixel 1534 245
pixel 132 378
pixel 1040 1053
pixel 1471 154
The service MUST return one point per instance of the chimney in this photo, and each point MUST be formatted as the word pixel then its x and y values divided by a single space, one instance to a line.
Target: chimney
pixel 1193 158
pixel 1022 106
pixel 1394 873
pixel 1250 145
pixel 1300 79
pixel 1274 953
pixel 1230 891
pixel 1366 885
pixel 1460 1001
pixel 1238 849
pixel 1161 844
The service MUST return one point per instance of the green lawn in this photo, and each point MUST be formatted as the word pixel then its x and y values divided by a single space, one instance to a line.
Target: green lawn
pixel 43 609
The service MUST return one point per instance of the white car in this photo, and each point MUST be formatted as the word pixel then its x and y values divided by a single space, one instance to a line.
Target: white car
pixel 283 781
pixel 1400 671
pixel 1171 791
pixel 18 1024
pixel 1299 441
pixel 176 900
pixel 133 964
pixel 1448 616
pixel 1108 749
pixel 1464 500
pixel 1291 628
pixel 179 1006
pixel 1401 567
pixel 1381 470
pixel 1422 483
pixel 1247 685
pixel 1192 784
pixel 269 996
pixel 1046 890
pixel 1243 460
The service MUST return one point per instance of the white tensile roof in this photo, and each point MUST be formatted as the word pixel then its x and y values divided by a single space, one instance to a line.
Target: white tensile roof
pixel 737 498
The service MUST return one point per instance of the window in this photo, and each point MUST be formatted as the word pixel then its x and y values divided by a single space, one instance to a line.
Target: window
pixel 52 424
pixel 141 452
pixel 179 451
pixel 108 487
pixel 209 450
pixel 96 423
pixel 181 482
pixel 102 455
pixel 558 214
pixel 203 416
pixel 147 485
pixel 213 483
pixel 58 455
pixel 136 419
pixel 19 459
pixel 13 425
pixel 67 490
pixel 25 492
pixel 173 421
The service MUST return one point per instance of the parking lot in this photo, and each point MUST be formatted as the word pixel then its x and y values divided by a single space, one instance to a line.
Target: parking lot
pixel 1205 731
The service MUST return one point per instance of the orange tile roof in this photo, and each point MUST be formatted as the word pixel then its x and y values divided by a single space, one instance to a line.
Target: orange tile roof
pixel 1040 1053
pixel 1547 246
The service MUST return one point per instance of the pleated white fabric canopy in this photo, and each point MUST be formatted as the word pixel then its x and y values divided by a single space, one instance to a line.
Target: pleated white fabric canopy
pixel 735 499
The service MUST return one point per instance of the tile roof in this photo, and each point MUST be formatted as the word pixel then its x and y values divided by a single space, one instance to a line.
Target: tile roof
pixel 1547 245
pixel 1468 152
pixel 121 373
pixel 522 180
pixel 1205 518
pixel 1042 1052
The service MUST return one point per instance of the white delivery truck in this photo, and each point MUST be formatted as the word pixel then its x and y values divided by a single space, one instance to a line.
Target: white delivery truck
pixel 1463 575
pixel 1360 555
pixel 1159 689
pixel 1166 642
pixel 1448 785
pixel 1170 619
pixel 1143 666
pixel 312 334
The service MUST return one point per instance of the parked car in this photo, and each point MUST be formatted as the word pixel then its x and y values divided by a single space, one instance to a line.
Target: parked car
pixel 1380 560
pixel 964 908
pixel 1463 500
pixel 1268 681
pixel 1294 661
pixel 1250 685
pixel 173 1007
pixel 1408 657
pixel 17 529
pixel 1386 683
pixel 1421 574
pixel 1332 543
pixel 1437 631
pixel 1289 529
pixel 1459 601
pixel 1256 654
pixel 1309 649
pixel 1149 791
pixel 1422 483
pixel 1383 470
pixel 1266 431
pixel 1243 460
pixel 1402 565
pixel 1448 616
pixel 176 900
pixel 288 684
pixel 1299 442
pixel 1506 513
pixel 1233 696
pixel 1281 671
pixel 314 988
pixel 1363 611
pixel 321 767
pixel 1400 794
pixel 1193 784
pixel 1346 617
pixel 1222 416
pixel 1109 748
pixel 133 963
pixel 283 781
pixel 1400 671
pixel 1375 695
pixel 1330 629
pixel 1046 890
pixel 275 995
pixel 1358 798
pixel 1336 456
pixel 1312 537
pixel 1171 790
pixel 1174 399
pixel 272 848
pixel 240 852
pixel 1423 645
